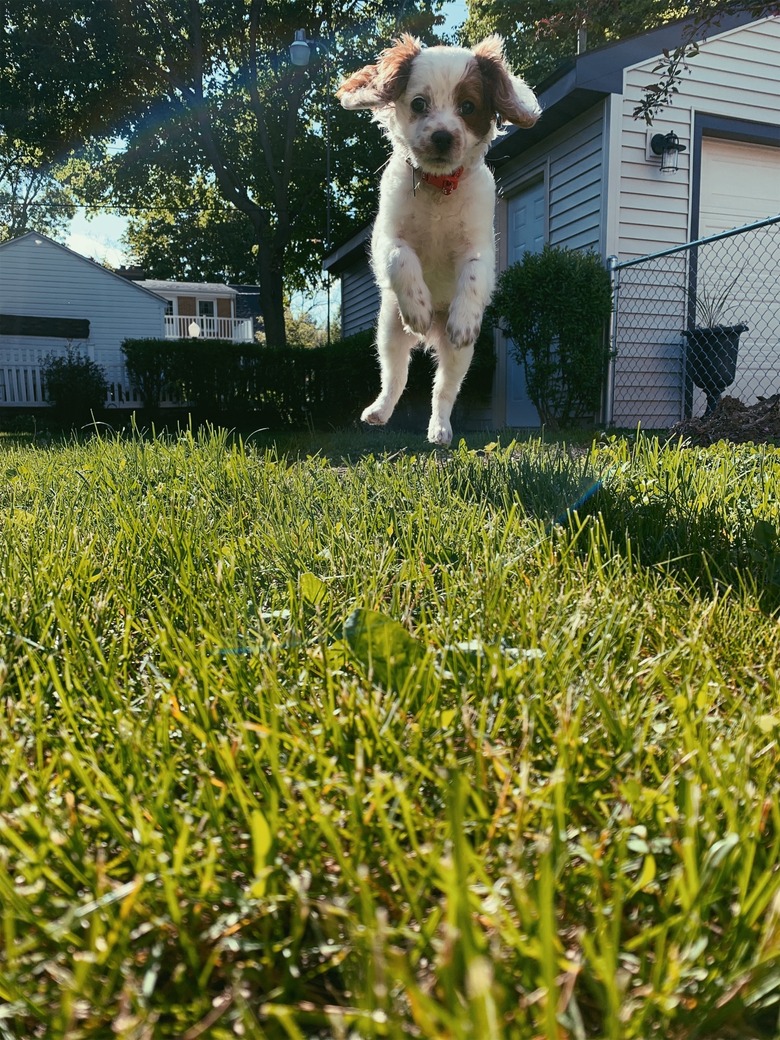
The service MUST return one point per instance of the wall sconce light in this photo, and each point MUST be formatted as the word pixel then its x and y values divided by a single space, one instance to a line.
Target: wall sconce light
pixel 299 49
pixel 668 147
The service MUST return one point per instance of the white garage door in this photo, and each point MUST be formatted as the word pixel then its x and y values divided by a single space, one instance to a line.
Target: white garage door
pixel 527 225
pixel 740 184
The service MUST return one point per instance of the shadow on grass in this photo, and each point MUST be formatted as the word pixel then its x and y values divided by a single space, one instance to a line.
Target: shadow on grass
pixel 704 543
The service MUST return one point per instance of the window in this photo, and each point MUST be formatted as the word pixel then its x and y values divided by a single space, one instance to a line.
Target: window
pixel 207 317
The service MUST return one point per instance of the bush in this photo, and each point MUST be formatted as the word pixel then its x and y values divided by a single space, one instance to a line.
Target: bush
pixel 74 384
pixel 555 306
pixel 292 386
pixel 147 364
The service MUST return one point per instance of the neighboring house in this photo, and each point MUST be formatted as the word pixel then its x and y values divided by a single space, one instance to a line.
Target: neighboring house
pixel 51 296
pixel 585 177
pixel 209 309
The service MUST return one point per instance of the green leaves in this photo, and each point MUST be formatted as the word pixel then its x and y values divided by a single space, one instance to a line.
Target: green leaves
pixel 383 646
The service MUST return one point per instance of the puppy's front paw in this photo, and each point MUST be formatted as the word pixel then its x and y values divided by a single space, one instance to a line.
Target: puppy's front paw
pixel 416 310
pixel 439 431
pixel 375 415
pixel 463 325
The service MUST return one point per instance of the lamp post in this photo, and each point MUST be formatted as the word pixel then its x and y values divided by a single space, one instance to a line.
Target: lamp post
pixel 300 54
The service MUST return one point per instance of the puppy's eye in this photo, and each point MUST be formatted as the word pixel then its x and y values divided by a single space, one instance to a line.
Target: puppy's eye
pixel 467 108
pixel 419 105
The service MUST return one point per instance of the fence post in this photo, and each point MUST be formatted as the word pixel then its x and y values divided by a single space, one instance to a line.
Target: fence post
pixel 609 395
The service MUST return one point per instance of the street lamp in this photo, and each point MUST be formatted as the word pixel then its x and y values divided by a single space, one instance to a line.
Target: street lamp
pixel 300 53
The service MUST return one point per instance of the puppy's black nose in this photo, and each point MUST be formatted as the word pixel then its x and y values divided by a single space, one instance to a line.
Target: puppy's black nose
pixel 441 140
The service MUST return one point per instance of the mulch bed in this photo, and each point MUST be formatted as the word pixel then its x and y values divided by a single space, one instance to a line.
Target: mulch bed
pixel 733 421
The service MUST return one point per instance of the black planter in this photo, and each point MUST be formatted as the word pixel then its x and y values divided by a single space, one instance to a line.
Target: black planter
pixel 712 359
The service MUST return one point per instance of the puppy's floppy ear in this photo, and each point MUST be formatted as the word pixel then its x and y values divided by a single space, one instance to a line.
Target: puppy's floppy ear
pixel 510 96
pixel 376 86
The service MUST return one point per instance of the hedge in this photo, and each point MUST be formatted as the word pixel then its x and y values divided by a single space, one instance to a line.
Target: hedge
pixel 292 386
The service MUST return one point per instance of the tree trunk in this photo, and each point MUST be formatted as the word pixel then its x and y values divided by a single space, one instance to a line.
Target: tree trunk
pixel 271 278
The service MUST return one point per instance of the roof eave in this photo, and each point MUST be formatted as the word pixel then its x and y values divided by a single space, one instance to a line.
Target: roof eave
pixel 344 256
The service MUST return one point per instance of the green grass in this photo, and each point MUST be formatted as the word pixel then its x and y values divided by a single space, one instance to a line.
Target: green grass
pixel 307 746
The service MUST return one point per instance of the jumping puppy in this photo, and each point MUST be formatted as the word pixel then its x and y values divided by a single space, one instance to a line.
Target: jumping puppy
pixel 433 247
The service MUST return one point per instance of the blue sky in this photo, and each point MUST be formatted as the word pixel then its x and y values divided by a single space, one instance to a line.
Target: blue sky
pixel 100 237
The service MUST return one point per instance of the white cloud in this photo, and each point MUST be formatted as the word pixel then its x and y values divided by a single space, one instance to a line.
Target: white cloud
pixel 99 239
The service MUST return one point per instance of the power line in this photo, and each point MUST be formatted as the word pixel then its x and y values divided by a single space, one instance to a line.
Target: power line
pixel 120 209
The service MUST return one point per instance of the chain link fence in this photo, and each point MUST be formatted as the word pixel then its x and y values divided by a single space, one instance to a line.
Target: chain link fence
pixel 693 323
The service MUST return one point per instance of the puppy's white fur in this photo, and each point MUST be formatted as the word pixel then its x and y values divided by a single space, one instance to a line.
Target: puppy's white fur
pixel 433 253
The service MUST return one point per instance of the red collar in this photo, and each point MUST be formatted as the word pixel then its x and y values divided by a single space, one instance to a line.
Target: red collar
pixel 445 182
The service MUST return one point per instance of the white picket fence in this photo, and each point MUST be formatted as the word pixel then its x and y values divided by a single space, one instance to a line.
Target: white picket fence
pixel 22 386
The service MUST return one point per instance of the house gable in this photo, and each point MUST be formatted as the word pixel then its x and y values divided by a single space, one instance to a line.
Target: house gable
pixel 731 91
pixel 11 252
pixel 591 77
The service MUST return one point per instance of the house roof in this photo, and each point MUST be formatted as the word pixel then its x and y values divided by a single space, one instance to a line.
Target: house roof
pixel 344 255
pixel 37 236
pixel 582 81
pixel 165 288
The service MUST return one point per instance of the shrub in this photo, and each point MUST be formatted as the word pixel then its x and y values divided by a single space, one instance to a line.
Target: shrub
pixel 74 384
pixel 555 306
pixel 147 364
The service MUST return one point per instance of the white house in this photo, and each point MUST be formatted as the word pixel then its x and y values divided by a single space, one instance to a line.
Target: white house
pixel 51 296
pixel 586 177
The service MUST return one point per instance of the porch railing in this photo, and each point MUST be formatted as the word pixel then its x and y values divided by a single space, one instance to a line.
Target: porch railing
pixel 183 327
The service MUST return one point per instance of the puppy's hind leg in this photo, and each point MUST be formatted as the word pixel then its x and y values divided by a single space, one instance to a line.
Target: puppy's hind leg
pixel 394 347
pixel 453 364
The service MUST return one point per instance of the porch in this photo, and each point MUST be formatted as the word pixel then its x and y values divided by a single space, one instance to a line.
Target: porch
pixel 182 326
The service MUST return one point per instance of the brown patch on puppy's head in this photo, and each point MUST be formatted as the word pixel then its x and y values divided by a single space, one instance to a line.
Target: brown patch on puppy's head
pixel 473 103
pixel 508 95
pixel 377 86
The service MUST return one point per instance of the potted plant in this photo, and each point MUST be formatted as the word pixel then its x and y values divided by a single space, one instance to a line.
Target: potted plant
pixel 713 345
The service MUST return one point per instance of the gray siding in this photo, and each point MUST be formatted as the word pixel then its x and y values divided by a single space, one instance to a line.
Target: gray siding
pixel 42 278
pixel 572 163
pixel 359 299
pixel 576 184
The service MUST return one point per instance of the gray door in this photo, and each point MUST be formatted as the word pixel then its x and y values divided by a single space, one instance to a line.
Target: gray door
pixel 527 224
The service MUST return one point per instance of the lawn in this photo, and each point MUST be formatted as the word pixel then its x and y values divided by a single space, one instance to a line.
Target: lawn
pixel 350 745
